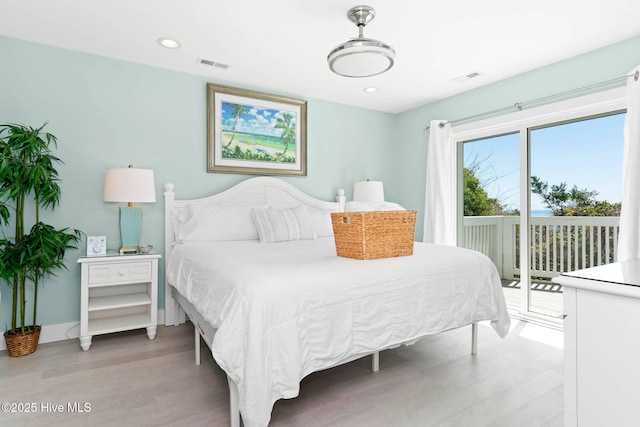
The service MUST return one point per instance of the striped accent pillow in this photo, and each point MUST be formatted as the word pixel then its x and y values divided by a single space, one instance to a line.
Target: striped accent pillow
pixel 282 225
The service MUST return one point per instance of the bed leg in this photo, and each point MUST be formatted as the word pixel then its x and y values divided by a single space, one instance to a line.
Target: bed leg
pixel 197 344
pixel 234 411
pixel 474 338
pixel 375 361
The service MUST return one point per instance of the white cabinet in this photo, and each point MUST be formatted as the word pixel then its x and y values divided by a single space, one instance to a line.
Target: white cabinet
pixel 118 293
pixel 602 345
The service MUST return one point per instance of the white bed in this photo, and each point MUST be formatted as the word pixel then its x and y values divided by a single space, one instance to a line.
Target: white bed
pixel 272 313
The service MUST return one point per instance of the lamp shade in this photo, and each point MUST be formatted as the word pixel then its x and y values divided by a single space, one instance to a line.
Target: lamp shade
pixel 129 185
pixel 368 191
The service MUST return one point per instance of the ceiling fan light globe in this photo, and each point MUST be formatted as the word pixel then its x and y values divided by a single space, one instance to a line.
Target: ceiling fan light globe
pixel 361 58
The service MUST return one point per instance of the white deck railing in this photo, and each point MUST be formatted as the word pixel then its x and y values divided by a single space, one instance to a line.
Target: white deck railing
pixel 558 243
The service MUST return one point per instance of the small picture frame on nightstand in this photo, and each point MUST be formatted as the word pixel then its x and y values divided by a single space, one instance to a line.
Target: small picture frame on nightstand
pixel 96 245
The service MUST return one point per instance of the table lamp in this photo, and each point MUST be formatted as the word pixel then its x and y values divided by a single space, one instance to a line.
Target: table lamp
pixel 129 185
pixel 368 191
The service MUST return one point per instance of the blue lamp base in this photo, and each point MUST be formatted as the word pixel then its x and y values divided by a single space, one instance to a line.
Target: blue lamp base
pixel 130 226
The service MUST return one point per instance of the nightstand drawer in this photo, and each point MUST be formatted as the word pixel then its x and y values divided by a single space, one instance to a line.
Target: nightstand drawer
pixel 118 272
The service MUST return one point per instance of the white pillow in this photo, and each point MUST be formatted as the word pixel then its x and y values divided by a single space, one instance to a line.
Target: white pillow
pixel 281 225
pixel 214 223
pixel 321 220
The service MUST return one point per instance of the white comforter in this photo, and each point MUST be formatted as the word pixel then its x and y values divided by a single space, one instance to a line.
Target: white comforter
pixel 284 310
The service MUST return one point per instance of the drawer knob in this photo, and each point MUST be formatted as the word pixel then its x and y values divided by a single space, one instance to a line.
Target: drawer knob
pixel 121 273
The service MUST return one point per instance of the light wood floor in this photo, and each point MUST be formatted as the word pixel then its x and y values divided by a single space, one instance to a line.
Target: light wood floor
pixel 129 381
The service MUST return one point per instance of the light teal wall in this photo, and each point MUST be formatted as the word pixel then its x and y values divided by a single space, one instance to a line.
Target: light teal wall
pixel 411 140
pixel 111 113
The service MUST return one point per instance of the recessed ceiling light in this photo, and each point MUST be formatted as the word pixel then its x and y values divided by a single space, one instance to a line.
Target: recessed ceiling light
pixel 370 89
pixel 168 43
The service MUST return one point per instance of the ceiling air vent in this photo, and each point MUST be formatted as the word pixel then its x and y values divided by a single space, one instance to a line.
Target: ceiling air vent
pixel 465 77
pixel 213 63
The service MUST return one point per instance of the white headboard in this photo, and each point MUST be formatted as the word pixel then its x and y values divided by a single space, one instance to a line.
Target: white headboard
pixel 258 191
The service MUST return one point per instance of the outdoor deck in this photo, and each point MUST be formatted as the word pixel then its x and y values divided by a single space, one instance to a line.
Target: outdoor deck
pixel 546 297
pixel 557 244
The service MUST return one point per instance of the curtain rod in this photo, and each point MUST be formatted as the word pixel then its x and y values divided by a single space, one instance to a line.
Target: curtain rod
pixel 519 106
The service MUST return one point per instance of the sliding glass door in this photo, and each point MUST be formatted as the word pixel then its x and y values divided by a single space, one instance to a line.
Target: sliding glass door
pixel 541 201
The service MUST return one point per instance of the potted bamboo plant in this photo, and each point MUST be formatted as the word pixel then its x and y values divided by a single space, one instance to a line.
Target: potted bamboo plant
pixel 28 183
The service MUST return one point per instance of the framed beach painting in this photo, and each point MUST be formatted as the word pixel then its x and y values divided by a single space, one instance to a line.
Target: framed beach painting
pixel 257 133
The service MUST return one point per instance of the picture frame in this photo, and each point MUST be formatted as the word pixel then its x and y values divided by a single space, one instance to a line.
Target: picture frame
pixel 251 132
pixel 96 246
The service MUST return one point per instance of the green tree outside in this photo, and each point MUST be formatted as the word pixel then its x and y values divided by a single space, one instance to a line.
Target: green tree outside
pixel 477 201
pixel 574 201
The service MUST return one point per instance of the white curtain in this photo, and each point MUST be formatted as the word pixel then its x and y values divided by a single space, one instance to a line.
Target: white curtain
pixel 440 196
pixel 629 240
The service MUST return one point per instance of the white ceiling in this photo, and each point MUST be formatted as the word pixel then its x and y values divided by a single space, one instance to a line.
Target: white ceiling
pixel 280 46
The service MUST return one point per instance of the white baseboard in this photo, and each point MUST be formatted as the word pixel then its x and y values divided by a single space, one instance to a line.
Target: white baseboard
pixel 58 332
pixel 66 331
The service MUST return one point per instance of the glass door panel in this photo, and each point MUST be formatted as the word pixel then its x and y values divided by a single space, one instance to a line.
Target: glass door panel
pixel 575 195
pixel 490 205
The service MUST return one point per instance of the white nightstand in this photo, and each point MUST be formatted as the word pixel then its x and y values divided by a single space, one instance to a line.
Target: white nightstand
pixel 118 293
